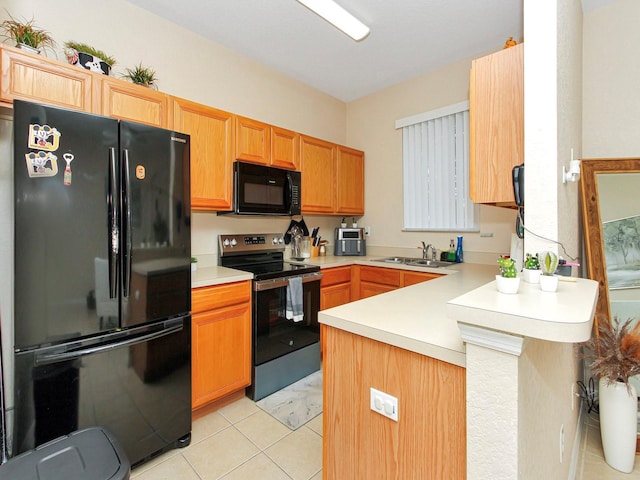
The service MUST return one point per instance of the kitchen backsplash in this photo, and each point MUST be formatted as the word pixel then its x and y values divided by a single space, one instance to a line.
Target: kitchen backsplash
pixel 205 228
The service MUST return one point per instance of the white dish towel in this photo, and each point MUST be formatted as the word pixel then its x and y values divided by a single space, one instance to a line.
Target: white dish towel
pixel 294 300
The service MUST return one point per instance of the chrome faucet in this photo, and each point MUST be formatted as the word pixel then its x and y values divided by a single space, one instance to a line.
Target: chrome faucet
pixel 425 251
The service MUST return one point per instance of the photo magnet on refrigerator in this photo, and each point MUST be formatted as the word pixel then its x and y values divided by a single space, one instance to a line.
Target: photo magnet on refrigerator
pixel 44 137
pixel 41 164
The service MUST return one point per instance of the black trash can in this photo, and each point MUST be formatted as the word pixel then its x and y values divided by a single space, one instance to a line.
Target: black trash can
pixel 89 454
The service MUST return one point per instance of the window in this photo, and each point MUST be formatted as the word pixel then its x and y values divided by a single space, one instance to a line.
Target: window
pixel 435 158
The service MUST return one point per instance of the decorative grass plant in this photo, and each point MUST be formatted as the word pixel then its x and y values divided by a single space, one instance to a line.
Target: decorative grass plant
pixel 614 350
pixel 140 75
pixel 26 33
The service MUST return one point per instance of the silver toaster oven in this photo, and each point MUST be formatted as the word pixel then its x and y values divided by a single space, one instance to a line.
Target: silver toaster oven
pixel 350 241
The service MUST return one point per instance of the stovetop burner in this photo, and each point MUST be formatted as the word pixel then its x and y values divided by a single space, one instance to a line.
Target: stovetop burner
pixel 260 254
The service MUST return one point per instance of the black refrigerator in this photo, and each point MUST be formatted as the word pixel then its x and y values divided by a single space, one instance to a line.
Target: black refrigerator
pixel 102 326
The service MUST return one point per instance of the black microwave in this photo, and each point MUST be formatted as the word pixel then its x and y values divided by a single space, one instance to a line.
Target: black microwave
pixel 261 190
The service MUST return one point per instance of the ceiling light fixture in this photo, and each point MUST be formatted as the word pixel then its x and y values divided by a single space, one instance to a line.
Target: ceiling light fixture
pixel 338 17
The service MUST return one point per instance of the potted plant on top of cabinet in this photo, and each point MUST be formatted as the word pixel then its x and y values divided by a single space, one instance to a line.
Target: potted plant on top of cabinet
pixel 507 281
pixel 548 265
pixel 140 75
pixel 614 351
pixel 26 35
pixel 88 57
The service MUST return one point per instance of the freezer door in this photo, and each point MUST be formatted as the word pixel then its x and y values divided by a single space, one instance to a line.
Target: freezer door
pixel 63 234
pixel 156 237
pixel 136 383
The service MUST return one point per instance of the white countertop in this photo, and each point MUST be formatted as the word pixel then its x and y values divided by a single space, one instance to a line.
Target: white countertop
pixel 414 318
pixel 562 316
pixel 424 318
pixel 216 275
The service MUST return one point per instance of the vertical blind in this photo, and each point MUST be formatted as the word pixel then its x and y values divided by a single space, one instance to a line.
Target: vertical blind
pixel 436 171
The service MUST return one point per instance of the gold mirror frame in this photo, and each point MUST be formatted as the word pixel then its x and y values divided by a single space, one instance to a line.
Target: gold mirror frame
pixel 594 246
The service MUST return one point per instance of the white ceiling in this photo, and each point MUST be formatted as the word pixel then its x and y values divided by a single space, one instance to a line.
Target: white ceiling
pixel 408 37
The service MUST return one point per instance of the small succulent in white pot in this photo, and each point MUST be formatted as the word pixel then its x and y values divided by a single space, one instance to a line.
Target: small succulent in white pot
pixel 508 280
pixel 548 265
pixel 531 271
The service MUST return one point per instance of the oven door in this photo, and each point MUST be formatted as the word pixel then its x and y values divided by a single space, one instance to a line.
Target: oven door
pixel 273 334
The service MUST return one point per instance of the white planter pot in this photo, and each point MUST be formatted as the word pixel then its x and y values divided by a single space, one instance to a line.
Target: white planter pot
pixel 194 267
pixel 531 276
pixel 548 283
pixel 507 285
pixel 618 424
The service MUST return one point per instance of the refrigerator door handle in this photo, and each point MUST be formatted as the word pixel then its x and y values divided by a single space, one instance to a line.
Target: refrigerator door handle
pixel 56 357
pixel 126 264
pixel 114 246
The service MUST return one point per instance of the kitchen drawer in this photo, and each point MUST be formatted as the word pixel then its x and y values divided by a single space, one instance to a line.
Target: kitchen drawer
pixel 333 276
pixel 386 276
pixel 209 298
pixel 411 278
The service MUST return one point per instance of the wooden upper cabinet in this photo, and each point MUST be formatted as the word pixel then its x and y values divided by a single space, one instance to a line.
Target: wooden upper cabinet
pixel 252 141
pixel 317 163
pixel 496 118
pixel 35 78
pixel 211 132
pixel 285 148
pixel 127 101
pixel 350 181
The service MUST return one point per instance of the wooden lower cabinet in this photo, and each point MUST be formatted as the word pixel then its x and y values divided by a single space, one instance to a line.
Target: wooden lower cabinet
pixel 429 439
pixel 221 341
pixel 411 278
pixel 335 287
pixel 371 281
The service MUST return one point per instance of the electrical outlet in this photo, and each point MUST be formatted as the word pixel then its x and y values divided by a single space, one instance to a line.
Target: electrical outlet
pixel 384 404
pixel 367 230
pixel 561 442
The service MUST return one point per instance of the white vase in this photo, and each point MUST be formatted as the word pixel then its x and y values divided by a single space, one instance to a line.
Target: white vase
pixel 531 276
pixel 548 283
pixel 507 285
pixel 618 423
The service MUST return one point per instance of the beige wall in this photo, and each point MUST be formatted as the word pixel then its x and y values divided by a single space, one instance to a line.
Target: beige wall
pixel 191 67
pixel 611 94
pixel 186 64
pixel 371 127
pixel 611 70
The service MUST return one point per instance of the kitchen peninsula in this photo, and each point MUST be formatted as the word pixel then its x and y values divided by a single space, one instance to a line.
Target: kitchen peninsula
pixel 435 346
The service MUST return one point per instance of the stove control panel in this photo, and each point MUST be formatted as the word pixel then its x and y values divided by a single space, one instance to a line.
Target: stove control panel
pixel 242 242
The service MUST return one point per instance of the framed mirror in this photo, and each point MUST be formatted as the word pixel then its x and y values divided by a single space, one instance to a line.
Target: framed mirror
pixel 610 194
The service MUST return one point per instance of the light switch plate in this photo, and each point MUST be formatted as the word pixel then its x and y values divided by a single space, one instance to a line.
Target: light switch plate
pixel 384 404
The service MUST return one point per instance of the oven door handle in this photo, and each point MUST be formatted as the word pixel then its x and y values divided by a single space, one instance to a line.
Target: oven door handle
pixel 262 285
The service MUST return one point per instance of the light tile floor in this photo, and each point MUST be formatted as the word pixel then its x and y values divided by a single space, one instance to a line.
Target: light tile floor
pixel 591 464
pixel 241 442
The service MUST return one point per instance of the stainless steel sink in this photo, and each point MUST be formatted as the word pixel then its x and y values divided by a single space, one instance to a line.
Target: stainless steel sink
pixel 429 263
pixel 416 262
pixel 392 260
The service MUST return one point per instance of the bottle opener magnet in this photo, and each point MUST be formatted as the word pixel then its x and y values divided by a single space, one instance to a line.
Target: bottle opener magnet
pixel 68 157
